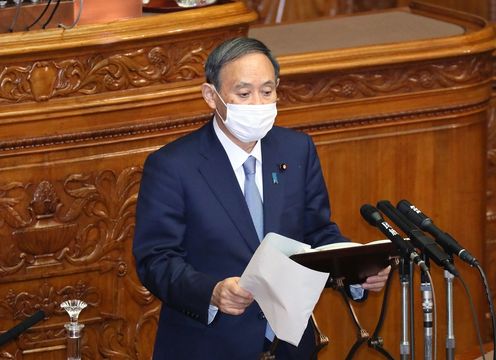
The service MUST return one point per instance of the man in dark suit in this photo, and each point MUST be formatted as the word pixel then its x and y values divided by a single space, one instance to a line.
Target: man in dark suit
pixel 196 232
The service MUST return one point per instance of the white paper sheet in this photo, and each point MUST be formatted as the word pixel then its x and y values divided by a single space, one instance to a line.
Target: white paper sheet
pixel 286 291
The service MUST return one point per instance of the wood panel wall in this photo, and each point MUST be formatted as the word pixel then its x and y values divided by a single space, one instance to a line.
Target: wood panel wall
pixel 477 7
pixel 81 110
pixel 281 11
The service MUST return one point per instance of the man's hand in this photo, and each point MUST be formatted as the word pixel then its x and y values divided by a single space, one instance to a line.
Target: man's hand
pixel 230 298
pixel 377 282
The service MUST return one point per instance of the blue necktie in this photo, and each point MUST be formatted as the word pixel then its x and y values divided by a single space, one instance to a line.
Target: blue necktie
pixel 254 202
pixel 252 196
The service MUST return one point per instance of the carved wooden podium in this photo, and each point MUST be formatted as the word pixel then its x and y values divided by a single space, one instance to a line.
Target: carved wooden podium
pixel 81 109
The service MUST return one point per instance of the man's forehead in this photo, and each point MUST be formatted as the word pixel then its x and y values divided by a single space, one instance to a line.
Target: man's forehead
pixel 248 70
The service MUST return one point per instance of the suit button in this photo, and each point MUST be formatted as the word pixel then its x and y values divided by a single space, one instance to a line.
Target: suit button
pixel 261 315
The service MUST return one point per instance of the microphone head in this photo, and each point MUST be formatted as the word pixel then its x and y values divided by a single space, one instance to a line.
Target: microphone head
pixel 371 214
pixel 404 205
pixel 413 214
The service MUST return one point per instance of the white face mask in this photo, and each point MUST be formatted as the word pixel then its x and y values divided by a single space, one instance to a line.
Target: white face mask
pixel 249 123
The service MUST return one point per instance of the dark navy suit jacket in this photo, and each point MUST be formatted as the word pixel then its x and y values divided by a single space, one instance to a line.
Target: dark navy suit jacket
pixel 193 229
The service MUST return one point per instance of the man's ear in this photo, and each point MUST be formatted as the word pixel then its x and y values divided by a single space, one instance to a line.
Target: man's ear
pixel 209 95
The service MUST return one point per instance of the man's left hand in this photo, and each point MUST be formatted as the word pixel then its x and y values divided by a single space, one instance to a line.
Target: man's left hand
pixel 377 282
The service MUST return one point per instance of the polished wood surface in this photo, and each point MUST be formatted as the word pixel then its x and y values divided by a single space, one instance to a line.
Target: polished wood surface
pixel 475 353
pixel 166 6
pixel 97 11
pixel 283 11
pixel 477 7
pixel 81 109
pixel 490 243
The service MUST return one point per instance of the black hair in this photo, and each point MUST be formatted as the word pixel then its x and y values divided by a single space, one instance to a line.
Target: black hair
pixel 231 50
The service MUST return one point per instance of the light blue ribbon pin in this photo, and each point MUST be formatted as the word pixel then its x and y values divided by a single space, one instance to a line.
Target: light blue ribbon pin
pixel 274 178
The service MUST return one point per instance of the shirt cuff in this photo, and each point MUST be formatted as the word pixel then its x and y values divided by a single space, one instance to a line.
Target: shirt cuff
pixel 356 292
pixel 212 312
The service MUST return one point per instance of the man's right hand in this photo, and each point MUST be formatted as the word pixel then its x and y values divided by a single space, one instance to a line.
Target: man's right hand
pixel 230 298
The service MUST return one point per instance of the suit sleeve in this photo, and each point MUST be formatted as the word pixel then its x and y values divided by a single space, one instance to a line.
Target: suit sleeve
pixel 158 242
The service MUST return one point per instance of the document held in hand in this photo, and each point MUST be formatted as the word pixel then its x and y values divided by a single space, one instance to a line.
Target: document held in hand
pixel 286 291
pixel 350 262
pixel 286 277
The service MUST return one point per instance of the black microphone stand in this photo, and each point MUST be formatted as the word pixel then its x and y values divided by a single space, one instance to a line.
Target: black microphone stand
pixel 271 353
pixel 412 312
pixel 362 334
pixel 374 341
pixel 450 329
pixel 427 308
pixel 404 271
pixel 321 341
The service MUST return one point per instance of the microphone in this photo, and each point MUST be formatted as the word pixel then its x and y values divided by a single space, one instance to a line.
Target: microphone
pixel 21 327
pixel 425 243
pixel 374 218
pixel 449 244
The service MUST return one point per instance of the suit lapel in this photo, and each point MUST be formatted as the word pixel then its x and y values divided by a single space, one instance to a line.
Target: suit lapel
pixel 273 183
pixel 218 173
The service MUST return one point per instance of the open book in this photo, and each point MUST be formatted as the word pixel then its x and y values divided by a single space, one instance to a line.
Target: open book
pixel 343 245
pixel 349 261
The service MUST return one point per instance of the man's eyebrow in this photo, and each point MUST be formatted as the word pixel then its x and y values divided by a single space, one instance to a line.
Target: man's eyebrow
pixel 249 85
pixel 269 82
pixel 242 85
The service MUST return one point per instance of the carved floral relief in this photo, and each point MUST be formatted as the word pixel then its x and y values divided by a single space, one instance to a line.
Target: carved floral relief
pixel 48 298
pixel 349 85
pixel 98 73
pixel 96 219
pixel 80 222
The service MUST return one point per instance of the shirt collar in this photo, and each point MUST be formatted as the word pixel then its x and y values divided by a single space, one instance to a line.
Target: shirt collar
pixel 236 155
